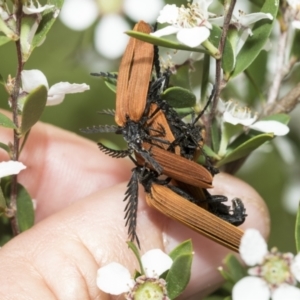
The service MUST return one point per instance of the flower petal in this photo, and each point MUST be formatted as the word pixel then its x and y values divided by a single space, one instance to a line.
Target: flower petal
pixel 250 288
pixel 165 31
pixel 296 24
pixel 169 14
pixel 253 247
pixel 31 79
pixel 295 267
pixel 286 291
pixel 271 126
pixel 10 168
pixel 248 19
pixel 29 10
pixel 68 88
pixel 155 262
pixel 57 91
pixel 114 279
pixel 194 36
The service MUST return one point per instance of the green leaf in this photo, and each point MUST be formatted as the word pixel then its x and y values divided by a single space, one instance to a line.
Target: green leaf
pixel 48 19
pixel 33 108
pixel 209 152
pixel 161 42
pixel 178 97
pixel 183 248
pixel 110 82
pixel 282 118
pixel 6 122
pixel 243 146
pixel 297 231
pixel 255 43
pixel 5 229
pixel 25 210
pixel 179 275
pixel 215 135
pixel 3 204
pixel 136 252
pixel 4 40
pixel 295 51
pixel 228 59
pixel 235 268
pixel 5 148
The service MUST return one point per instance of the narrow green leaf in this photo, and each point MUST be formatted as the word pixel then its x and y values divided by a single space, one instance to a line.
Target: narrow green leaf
pixel 235 269
pixel 6 122
pixel 183 248
pixel 3 204
pixel 136 252
pixel 33 108
pixel 295 51
pixel 48 19
pixel 110 82
pixel 282 118
pixel 243 146
pixel 179 275
pixel 178 97
pixel 25 210
pixel 228 59
pixel 4 40
pixel 6 148
pixel 297 231
pixel 5 229
pixel 161 42
pixel 111 86
pixel 255 43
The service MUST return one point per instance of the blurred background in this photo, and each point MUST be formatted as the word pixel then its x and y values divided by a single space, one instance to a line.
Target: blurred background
pixel 88 37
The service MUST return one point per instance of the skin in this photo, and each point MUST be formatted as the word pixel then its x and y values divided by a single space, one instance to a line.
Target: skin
pixel 80 222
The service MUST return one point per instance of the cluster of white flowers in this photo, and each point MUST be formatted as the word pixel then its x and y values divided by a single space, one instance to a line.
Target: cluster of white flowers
pixel 274 276
pixel 115 279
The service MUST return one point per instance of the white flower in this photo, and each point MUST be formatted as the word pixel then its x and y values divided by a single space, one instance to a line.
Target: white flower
pixel 31 79
pixel 242 20
pixel 235 115
pixel 190 23
pixel 115 279
pixel 275 273
pixel 31 9
pixel 10 167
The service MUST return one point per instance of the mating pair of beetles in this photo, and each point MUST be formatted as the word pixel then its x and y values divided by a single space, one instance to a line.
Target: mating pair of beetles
pixel 160 143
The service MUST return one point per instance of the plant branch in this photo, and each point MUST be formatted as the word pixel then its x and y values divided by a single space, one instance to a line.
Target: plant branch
pixel 285 104
pixel 14 104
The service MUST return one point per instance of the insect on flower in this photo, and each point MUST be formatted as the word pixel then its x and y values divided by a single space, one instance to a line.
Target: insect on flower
pixel 145 127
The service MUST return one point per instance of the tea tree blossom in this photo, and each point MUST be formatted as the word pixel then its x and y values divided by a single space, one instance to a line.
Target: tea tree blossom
pixel 10 167
pixel 31 79
pixel 234 114
pixel 115 279
pixel 242 20
pixel 274 274
pixel 190 23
